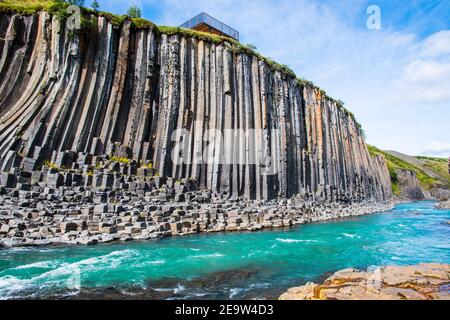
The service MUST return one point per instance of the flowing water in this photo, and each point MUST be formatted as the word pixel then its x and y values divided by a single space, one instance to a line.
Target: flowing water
pixel 257 265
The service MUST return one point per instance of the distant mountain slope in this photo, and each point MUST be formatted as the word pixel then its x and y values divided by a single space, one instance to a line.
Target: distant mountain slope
pixel 436 168
pixel 432 173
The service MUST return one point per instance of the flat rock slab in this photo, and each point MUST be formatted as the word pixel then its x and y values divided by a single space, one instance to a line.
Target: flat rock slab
pixel 421 282
pixel 443 205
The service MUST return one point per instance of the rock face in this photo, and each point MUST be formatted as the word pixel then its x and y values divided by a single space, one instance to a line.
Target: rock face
pixel 70 99
pixel 422 282
pixel 120 133
pixel 435 180
pixel 409 185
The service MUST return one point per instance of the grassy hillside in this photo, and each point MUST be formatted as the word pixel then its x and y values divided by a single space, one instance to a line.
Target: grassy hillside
pixel 429 171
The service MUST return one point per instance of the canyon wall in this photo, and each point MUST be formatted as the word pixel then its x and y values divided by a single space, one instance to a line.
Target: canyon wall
pixel 123 92
pixel 409 185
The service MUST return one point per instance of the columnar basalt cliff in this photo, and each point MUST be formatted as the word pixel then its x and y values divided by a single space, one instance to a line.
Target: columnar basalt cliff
pixel 410 187
pixel 122 92
pixel 421 282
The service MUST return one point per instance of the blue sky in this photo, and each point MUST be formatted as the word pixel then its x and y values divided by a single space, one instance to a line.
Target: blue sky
pixel 396 80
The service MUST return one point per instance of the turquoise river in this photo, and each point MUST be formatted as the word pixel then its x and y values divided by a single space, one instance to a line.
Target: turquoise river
pixel 258 265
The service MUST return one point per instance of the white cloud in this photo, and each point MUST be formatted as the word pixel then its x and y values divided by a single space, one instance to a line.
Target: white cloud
pixel 426 78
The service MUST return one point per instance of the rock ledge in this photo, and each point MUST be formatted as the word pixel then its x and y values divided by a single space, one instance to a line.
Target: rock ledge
pixel 421 282
pixel 443 205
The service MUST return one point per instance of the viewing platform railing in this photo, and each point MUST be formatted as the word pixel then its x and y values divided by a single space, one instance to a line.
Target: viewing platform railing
pixel 216 24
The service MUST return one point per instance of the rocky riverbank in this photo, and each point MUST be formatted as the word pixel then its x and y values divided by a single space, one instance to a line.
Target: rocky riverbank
pixel 118 133
pixel 35 215
pixel 421 282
